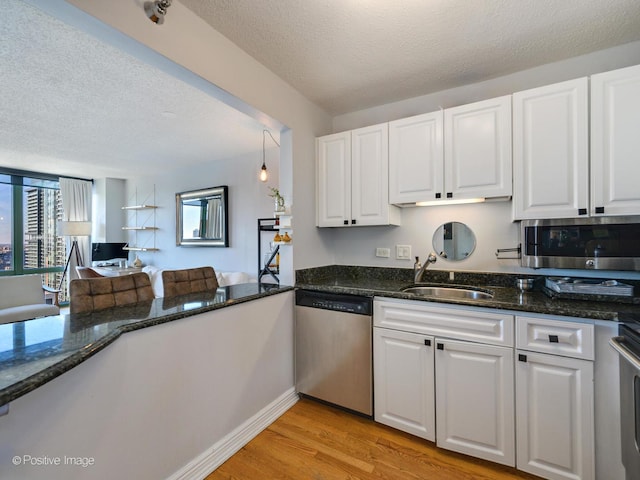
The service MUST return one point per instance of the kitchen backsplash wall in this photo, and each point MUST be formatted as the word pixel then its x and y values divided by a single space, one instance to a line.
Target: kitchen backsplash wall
pixel 490 222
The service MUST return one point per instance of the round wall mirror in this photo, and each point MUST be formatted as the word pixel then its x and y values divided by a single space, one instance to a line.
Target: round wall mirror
pixel 454 241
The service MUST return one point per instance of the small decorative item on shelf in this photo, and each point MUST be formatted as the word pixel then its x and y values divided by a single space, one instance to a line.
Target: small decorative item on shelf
pixel 278 199
pixel 137 262
pixel 277 238
pixel 286 238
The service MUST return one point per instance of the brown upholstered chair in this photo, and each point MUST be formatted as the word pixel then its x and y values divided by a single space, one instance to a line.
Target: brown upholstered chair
pixel 91 294
pixel 189 280
pixel 87 272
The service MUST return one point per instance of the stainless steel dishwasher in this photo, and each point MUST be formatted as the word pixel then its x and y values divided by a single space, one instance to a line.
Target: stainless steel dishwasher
pixel 334 349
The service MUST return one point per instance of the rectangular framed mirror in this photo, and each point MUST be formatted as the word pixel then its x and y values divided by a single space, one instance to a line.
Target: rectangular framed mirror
pixel 202 217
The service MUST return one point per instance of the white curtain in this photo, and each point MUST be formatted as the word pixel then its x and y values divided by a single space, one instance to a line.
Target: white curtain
pixel 214 217
pixel 76 203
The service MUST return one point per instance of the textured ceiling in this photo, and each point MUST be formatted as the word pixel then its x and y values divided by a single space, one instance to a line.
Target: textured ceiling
pixel 346 55
pixel 73 105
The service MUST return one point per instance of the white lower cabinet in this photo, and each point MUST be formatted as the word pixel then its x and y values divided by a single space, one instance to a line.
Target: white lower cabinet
pixel 404 385
pixel 474 400
pixel 451 374
pixel 471 409
pixel 555 401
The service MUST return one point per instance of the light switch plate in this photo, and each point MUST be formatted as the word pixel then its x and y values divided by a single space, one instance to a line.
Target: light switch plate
pixel 383 252
pixel 403 252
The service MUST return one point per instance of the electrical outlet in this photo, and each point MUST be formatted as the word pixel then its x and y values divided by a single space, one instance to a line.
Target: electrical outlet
pixel 383 252
pixel 403 252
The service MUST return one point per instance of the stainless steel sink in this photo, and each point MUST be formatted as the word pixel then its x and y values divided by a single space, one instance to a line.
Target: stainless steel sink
pixel 449 292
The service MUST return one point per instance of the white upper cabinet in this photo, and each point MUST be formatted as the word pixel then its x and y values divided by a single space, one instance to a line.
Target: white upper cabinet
pixel 416 158
pixel 333 178
pixel 477 149
pixel 462 153
pixel 615 142
pixel 550 151
pixel 352 179
pixel 553 174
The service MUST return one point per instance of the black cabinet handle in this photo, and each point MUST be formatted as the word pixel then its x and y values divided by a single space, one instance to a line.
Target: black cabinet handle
pixel 438 195
pixel 553 338
pixel 440 346
pixel 599 209
pixel 353 222
pixel 449 194
pixel 346 222
pixel 522 358
pixel 427 342
pixel 582 211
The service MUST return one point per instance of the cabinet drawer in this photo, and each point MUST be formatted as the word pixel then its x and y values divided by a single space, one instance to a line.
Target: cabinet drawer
pixel 558 337
pixel 475 325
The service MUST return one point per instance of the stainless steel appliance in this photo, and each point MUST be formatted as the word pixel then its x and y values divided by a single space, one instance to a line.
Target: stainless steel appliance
pixel 334 349
pixel 628 347
pixel 594 243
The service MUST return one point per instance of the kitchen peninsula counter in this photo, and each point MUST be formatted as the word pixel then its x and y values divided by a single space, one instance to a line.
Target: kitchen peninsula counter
pixel 389 282
pixel 33 352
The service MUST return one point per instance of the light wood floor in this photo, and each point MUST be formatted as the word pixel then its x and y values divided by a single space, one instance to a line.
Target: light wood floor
pixel 317 442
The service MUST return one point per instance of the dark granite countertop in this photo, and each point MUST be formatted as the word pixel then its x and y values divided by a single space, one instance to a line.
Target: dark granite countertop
pixel 36 351
pixel 388 282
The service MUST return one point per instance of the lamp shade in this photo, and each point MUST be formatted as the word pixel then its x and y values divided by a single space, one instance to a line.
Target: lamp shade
pixel 74 229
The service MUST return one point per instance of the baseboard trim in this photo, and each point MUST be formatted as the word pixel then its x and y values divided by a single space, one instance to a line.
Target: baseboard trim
pixel 216 455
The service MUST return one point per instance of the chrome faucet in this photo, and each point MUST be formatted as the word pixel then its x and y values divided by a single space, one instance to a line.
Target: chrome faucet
pixel 419 269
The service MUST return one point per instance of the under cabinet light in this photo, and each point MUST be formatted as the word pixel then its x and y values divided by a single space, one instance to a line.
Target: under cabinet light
pixel 457 201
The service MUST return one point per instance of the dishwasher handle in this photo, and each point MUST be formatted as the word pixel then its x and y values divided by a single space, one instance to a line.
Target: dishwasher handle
pixel 628 355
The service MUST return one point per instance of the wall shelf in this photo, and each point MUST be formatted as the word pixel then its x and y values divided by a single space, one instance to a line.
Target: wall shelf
pixel 139 207
pixel 271 266
pixel 141 221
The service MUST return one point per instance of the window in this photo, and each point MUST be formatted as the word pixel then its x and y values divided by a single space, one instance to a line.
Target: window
pixel 30 207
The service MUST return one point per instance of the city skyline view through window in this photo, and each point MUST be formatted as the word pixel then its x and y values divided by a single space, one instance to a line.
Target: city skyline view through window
pixel 29 211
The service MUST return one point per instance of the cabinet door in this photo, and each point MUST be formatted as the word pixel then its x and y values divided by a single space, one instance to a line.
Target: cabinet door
pixel 370 175
pixel 333 174
pixel 416 159
pixel 475 400
pixel 477 149
pixel 555 423
pixel 615 142
pixel 550 151
pixel 403 379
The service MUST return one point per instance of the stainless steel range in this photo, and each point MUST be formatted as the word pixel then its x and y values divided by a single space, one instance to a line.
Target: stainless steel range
pixel 627 344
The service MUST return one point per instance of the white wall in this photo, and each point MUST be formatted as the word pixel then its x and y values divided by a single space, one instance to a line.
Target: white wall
pixel 491 222
pixel 596 62
pixel 157 398
pixel 188 41
pixel 248 201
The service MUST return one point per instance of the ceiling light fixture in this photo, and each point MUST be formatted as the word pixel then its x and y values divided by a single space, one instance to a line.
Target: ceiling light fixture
pixel 157 10
pixel 263 170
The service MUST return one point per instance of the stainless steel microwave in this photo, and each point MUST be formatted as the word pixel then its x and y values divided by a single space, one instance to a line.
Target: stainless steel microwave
pixel 595 243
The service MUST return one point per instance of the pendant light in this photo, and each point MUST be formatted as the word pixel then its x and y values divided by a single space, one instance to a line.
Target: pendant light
pixel 264 176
